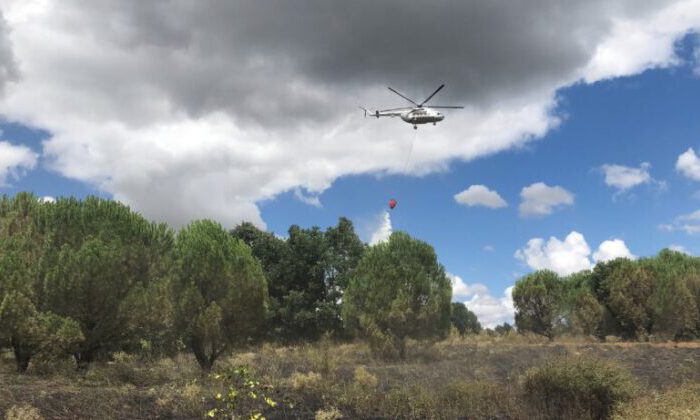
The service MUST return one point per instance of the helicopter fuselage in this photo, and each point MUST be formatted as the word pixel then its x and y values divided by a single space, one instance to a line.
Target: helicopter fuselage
pixel 422 116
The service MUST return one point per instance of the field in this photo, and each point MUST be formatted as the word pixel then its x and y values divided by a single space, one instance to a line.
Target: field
pixel 474 377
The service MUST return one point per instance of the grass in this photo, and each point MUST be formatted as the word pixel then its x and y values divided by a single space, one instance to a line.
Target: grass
pixel 474 377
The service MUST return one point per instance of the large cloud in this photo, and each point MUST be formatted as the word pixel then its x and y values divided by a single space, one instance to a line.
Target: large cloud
pixel 480 195
pixel 8 67
pixel 489 310
pixel 14 161
pixel 624 177
pixel 201 109
pixel 688 164
pixel 570 255
pixel 539 199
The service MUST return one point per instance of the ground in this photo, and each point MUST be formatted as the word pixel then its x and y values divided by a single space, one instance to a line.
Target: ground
pixel 473 377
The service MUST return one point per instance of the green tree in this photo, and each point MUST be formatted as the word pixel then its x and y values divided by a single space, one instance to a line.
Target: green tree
pixel 25 325
pixel 219 290
pixel 675 310
pixel 538 300
pixel 583 313
pixel 629 288
pixel 398 291
pixel 307 275
pixel 344 249
pixel 464 320
pixel 98 259
pixel 503 329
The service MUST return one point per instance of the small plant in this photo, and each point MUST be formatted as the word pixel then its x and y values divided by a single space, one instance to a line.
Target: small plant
pixel 577 388
pixel 23 412
pixel 242 393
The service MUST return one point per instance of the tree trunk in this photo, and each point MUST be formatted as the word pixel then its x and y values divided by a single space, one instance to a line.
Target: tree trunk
pixel 401 345
pixel 83 359
pixel 205 362
pixel 22 356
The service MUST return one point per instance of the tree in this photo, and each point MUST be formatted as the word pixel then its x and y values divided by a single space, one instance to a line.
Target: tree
pixel 675 310
pixel 503 329
pixel 398 291
pixel 583 313
pixel 98 259
pixel 343 252
pixel 25 326
pixel 629 288
pixel 538 301
pixel 307 275
pixel 219 290
pixel 464 320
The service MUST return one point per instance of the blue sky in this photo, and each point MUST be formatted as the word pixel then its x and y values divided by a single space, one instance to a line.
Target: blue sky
pixel 177 155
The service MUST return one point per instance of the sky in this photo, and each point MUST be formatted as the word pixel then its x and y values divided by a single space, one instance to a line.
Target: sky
pixel 579 141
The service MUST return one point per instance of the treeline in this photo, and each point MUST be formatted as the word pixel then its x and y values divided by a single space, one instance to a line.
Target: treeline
pixel 657 297
pixel 86 278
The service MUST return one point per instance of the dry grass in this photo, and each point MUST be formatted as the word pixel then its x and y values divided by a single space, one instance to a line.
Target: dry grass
pixel 478 377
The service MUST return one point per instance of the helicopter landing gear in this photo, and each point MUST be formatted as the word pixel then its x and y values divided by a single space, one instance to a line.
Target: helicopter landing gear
pixel 415 127
pixel 434 123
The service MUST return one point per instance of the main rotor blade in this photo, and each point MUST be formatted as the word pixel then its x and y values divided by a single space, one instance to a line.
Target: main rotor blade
pixel 403 96
pixel 433 94
pixel 446 107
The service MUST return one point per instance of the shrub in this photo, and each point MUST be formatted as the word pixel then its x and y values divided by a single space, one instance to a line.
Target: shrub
pixel 23 412
pixel 673 404
pixel 329 414
pixel 398 290
pixel 577 388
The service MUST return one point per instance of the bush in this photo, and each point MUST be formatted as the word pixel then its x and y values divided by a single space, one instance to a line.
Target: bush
pixel 23 412
pixel 577 388
pixel 674 404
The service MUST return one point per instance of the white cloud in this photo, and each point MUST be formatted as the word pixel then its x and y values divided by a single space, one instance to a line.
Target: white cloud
pixel 48 199
pixel 489 310
pixel 679 248
pixel 492 311
pixel 480 195
pixel 489 248
pixel 564 257
pixel 539 199
pixel 570 255
pixel 643 42
pixel 688 164
pixel 688 223
pixel 312 200
pixel 222 106
pixel 625 177
pixel 611 249
pixel 461 290
pixel 383 230
pixel 15 161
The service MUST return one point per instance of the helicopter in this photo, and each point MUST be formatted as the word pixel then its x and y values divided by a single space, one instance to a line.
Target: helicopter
pixel 418 114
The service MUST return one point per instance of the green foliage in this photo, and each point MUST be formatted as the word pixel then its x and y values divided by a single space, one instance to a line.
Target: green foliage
pixel 398 291
pixel 577 388
pixel 98 258
pixel 25 323
pixel 628 288
pixel 307 275
pixel 538 300
pixel 674 305
pixel 464 320
pixel 219 290
pixel 32 333
pixel 504 329
pixel 583 313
